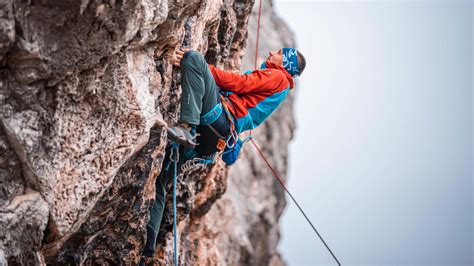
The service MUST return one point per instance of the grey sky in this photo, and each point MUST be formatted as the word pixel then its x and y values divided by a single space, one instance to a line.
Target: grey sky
pixel 382 158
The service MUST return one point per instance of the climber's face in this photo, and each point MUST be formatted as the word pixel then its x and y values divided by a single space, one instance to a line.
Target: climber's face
pixel 276 57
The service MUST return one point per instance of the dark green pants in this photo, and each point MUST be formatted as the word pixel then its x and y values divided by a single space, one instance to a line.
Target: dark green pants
pixel 200 91
pixel 199 96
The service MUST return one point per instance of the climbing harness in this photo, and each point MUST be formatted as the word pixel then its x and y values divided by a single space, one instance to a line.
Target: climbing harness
pixel 268 163
pixel 216 127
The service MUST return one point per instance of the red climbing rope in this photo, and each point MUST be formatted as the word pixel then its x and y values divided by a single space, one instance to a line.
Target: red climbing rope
pixel 268 164
pixel 257 42
pixel 258 34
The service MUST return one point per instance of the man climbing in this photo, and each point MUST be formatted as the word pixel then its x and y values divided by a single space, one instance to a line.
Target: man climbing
pixel 210 122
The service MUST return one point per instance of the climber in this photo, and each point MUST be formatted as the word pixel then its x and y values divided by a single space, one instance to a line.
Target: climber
pixel 209 122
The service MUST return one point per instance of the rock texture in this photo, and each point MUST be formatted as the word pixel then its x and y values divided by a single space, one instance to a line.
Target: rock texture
pixel 83 110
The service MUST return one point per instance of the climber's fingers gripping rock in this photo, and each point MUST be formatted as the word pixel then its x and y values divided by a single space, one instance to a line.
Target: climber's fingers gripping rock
pixel 178 56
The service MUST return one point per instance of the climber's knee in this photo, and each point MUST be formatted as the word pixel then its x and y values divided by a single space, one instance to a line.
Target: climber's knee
pixel 192 58
pixel 192 54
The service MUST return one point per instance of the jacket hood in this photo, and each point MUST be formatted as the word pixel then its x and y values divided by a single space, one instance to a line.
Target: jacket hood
pixel 269 64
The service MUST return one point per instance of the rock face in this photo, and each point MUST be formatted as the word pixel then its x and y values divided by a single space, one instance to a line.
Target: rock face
pixel 83 110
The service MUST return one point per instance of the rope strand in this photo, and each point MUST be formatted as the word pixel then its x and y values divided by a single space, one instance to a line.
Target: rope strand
pixel 294 200
pixel 175 171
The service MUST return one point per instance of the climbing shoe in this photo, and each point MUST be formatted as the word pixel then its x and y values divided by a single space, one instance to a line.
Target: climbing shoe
pixel 182 136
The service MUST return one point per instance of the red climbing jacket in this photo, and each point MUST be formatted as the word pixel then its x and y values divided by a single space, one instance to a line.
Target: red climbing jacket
pixel 254 95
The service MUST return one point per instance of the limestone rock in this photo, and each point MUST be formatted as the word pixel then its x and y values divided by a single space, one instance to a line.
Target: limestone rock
pixel 22 225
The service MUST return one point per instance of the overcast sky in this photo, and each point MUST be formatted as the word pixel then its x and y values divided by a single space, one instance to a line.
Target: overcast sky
pixel 382 156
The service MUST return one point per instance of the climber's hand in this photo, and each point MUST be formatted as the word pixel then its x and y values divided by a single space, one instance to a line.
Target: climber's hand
pixel 178 56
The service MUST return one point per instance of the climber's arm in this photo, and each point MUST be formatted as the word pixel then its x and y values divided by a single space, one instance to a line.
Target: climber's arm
pixel 257 81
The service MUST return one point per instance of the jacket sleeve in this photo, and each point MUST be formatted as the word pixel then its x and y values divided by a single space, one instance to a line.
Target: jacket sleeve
pixel 257 81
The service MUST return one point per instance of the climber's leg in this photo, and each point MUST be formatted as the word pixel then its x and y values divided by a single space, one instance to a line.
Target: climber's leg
pixel 158 206
pixel 199 96
pixel 156 211
pixel 200 90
